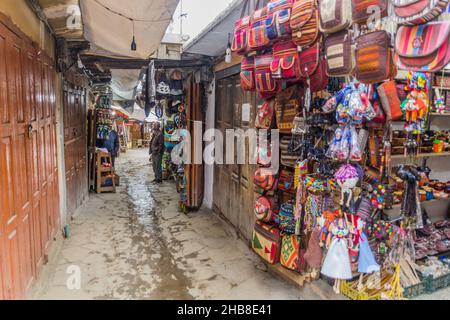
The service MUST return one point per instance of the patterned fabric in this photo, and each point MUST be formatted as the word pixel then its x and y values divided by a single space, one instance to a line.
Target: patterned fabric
pixel 361 9
pixel 277 22
pixel 265 116
pixel 266 85
pixel 286 216
pixel 305 22
pixel 418 12
pixel 266 242
pixel 258 39
pixel 335 15
pixel 291 253
pixel 240 41
pixel 248 74
pixel 285 64
pixel 423 48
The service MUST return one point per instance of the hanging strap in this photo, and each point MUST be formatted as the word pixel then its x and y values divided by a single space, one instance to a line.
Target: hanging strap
pixel 245 8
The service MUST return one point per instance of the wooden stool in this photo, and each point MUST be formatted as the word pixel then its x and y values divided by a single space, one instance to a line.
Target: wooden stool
pixel 104 173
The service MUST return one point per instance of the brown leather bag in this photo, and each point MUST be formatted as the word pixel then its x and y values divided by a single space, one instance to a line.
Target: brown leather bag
pixel 340 52
pixel 374 58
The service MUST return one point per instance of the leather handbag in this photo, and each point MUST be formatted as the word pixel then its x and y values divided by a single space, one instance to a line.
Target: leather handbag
pixel 340 53
pixel 292 253
pixel 390 101
pixel 423 48
pixel 286 181
pixel 241 32
pixel 286 110
pixel 278 19
pixel 415 12
pixel 374 58
pixel 335 15
pixel 265 179
pixel 266 242
pixel 248 74
pixel 361 9
pixel 305 23
pixel 285 64
pixel 265 116
pixel 266 85
pixel 265 209
pixel 258 39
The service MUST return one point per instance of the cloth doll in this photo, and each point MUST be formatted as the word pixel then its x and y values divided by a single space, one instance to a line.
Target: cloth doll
pixel 347 178
pixel 337 261
pixel 366 262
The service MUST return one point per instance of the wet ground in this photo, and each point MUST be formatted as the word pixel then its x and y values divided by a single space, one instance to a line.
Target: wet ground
pixel 136 245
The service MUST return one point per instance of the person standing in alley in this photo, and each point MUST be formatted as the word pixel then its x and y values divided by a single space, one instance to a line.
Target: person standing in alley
pixel 113 145
pixel 157 151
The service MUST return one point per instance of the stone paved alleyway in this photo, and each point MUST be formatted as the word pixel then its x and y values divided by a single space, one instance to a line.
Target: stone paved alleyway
pixel 136 245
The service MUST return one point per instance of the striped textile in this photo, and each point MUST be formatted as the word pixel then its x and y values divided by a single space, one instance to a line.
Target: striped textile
pixel 305 22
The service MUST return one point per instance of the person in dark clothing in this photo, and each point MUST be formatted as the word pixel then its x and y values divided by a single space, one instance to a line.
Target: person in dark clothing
pixel 113 145
pixel 157 151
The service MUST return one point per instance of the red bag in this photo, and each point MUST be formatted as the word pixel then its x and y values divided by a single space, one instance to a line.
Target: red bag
pixel 266 242
pixel 313 68
pixel 265 209
pixel 248 74
pixel 380 117
pixel 286 181
pixel 266 85
pixel 265 116
pixel 285 64
pixel 241 32
pixel 390 100
pixel 265 179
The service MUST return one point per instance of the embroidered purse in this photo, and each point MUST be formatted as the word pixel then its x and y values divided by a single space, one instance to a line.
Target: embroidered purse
pixel 374 60
pixel 248 74
pixel 265 209
pixel 423 48
pixel 258 38
pixel 265 117
pixel 266 85
pixel 241 32
pixel 266 242
pixel 335 15
pixel 292 253
pixel 361 9
pixel 340 52
pixel 265 179
pixel 278 18
pixel 415 12
pixel 285 64
pixel 305 23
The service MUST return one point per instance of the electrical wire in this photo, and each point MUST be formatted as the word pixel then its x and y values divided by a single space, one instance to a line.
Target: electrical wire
pixel 128 18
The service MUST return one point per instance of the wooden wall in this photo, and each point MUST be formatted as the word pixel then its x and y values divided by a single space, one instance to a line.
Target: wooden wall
pixel 29 192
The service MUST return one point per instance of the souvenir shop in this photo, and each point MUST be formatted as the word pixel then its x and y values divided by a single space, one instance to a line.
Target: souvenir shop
pixel 362 107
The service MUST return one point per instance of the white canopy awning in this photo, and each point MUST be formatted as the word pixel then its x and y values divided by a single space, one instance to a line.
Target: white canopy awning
pixel 124 83
pixel 109 24
pixel 138 114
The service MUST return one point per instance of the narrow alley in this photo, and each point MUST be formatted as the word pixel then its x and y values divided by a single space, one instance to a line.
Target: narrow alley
pixel 136 245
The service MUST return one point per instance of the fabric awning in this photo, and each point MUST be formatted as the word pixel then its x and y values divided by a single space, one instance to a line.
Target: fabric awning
pixel 124 83
pixel 107 25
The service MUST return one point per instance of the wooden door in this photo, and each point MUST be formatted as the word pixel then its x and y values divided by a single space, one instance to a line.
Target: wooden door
pixel 29 213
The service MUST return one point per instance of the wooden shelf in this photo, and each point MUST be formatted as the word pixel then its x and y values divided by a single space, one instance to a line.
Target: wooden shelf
pixel 435 114
pixel 423 155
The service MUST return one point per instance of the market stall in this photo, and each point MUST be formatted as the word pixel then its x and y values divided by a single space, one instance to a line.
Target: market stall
pixel 354 99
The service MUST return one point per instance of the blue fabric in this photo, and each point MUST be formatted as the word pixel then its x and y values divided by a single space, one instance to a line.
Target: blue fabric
pixel 367 262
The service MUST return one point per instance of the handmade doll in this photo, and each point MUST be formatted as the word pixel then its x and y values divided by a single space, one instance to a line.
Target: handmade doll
pixel 337 261
pixel 335 145
pixel 366 262
pixel 347 178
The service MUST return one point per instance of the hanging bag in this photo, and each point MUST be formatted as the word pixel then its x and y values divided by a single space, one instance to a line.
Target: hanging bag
pixel 265 209
pixel 286 107
pixel 266 85
pixel 335 15
pixel 278 18
pixel 313 68
pixel 390 101
pixel 266 242
pixel 340 53
pixel 265 116
pixel 305 23
pixel 423 48
pixel 292 253
pixel 285 64
pixel 374 59
pixel 286 181
pixel 248 74
pixel 241 31
pixel 258 39
pixel 361 9
pixel 265 179
pixel 415 12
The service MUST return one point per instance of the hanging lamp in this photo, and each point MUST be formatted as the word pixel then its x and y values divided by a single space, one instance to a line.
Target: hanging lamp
pixel 133 43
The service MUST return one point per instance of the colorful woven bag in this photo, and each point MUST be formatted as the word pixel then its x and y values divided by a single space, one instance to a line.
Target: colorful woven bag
pixel 265 209
pixel 374 58
pixel 266 85
pixel 241 32
pixel 248 74
pixel 286 217
pixel 292 253
pixel 285 64
pixel 361 9
pixel 415 12
pixel 266 242
pixel 285 114
pixel 340 52
pixel 258 39
pixel 423 48
pixel 286 181
pixel 335 15
pixel 278 17
pixel 265 116
pixel 265 179
pixel 313 68
pixel 305 23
